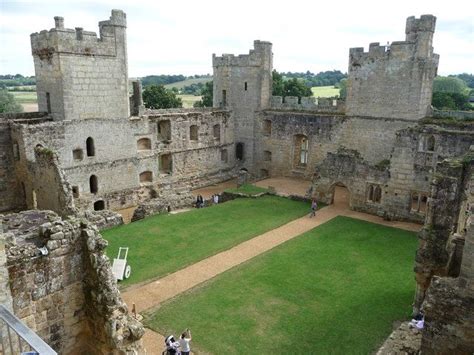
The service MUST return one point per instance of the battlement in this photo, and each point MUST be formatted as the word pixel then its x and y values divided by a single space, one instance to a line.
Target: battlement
pixel 64 40
pixel 254 58
pixel 313 104
pixel 426 23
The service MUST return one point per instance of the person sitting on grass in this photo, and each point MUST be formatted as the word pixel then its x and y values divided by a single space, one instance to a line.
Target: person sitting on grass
pixel 184 342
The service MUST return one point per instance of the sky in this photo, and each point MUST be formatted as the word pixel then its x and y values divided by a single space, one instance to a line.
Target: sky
pixel 179 37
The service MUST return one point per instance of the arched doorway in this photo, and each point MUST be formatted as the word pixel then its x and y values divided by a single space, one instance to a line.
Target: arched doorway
pixel 341 195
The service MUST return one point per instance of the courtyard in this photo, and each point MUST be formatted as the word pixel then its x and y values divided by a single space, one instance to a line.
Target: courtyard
pixel 258 274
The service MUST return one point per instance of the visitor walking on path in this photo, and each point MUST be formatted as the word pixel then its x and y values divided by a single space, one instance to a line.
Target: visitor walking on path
pixel 314 207
pixel 184 342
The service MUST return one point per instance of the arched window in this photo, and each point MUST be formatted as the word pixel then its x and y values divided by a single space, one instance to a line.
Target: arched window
pixel 90 147
pixel 146 176
pixel 144 144
pixel 267 128
pixel 377 194
pixel 224 155
pixel 93 184
pixel 216 130
pixel 267 155
pixel 193 133
pixel 301 150
pixel 430 144
pixel 370 194
pixel 239 151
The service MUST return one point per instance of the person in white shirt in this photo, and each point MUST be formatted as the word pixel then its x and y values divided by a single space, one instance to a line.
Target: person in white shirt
pixel 184 342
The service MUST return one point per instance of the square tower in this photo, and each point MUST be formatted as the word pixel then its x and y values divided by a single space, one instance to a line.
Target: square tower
pixel 79 75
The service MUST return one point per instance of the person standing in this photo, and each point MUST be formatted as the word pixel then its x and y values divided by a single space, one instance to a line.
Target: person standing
pixel 184 342
pixel 314 207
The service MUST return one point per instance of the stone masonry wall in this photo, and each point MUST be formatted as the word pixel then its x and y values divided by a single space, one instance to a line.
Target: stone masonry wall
pixel 66 294
pixel 79 75
pixel 119 159
pixel 372 138
pixel 247 82
pixel 9 192
pixel 394 81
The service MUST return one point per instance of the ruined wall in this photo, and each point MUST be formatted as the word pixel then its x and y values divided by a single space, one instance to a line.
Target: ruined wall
pixel 447 249
pixel 372 138
pixel 66 294
pixel 322 104
pixel 10 195
pixel 79 75
pixel 52 190
pixel 124 149
pixel 247 82
pixel 347 167
pixel 394 81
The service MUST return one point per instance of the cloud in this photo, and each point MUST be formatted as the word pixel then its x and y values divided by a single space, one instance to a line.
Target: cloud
pixel 180 37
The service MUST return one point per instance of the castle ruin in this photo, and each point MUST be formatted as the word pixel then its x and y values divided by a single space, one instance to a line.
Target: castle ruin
pixel 94 147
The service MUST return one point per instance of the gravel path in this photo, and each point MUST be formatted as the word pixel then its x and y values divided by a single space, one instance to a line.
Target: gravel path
pixel 152 294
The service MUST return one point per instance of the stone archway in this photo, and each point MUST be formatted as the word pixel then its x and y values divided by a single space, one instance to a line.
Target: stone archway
pixel 341 195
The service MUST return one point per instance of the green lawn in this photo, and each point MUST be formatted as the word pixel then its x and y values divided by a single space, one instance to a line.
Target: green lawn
pixel 163 244
pixel 334 290
pixel 25 97
pixel 187 82
pixel 248 189
pixel 189 100
pixel 324 91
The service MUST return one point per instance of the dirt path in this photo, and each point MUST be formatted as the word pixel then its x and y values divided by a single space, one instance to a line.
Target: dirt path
pixel 152 294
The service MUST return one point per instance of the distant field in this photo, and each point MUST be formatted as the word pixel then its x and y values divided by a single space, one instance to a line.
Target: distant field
pixel 324 91
pixel 181 84
pixel 189 100
pixel 25 97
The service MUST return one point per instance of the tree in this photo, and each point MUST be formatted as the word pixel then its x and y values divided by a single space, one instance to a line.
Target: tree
pixel 8 102
pixel 292 87
pixel 156 97
pixel 449 84
pixel 278 87
pixel 207 95
pixel 451 101
pixel 343 89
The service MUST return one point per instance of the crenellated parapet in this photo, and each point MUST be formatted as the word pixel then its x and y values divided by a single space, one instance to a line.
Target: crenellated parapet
pixel 81 75
pixel 78 41
pixel 256 56
pixel 313 104
pixel 394 80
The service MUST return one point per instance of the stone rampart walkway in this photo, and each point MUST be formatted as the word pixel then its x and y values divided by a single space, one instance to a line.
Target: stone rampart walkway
pixel 152 294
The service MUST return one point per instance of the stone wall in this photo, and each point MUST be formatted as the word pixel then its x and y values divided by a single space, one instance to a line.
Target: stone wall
pixel 321 104
pixel 394 81
pixel 372 138
pixel 9 189
pixel 66 292
pixel 79 75
pixel 247 83
pixel 124 149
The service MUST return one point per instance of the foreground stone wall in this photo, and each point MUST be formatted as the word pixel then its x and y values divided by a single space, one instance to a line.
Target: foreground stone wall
pixel 66 293
pixel 9 191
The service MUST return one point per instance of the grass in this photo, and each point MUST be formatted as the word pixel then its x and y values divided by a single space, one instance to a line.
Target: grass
pixel 25 97
pixel 187 82
pixel 189 100
pixel 248 189
pixel 334 290
pixel 163 244
pixel 324 91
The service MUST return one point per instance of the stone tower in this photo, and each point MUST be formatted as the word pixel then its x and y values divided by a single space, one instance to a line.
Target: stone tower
pixel 243 84
pixel 394 81
pixel 79 75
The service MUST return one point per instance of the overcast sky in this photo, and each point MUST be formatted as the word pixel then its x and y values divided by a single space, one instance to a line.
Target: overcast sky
pixel 179 36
